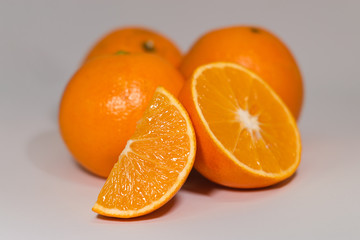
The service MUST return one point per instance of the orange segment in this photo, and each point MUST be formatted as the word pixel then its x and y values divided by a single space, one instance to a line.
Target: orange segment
pixel 247 136
pixel 154 164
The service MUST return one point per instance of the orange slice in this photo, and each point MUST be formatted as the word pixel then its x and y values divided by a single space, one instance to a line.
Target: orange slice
pixel 154 164
pixel 247 137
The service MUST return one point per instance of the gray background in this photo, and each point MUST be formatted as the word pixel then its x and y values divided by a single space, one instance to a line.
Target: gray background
pixel 45 195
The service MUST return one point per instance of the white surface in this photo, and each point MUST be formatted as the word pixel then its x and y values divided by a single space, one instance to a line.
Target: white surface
pixel 45 195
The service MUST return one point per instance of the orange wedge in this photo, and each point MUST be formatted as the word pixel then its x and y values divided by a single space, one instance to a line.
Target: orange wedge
pixel 155 162
pixel 246 136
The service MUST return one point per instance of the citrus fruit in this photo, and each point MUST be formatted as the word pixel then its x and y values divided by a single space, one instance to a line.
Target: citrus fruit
pixel 136 40
pixel 246 136
pixel 256 49
pixel 154 164
pixel 103 101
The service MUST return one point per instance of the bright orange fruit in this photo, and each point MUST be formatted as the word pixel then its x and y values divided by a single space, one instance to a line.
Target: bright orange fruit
pixel 103 101
pixel 154 164
pixel 247 137
pixel 256 49
pixel 136 40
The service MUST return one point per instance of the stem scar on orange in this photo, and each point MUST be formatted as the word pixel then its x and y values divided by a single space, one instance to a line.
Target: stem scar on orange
pixel 103 101
pixel 256 49
pixel 136 40
pixel 246 136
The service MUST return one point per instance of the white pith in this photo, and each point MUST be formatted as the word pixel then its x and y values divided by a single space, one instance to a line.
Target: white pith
pixel 249 122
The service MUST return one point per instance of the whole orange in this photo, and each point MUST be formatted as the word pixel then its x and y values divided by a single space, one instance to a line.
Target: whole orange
pixel 256 49
pixel 103 101
pixel 136 40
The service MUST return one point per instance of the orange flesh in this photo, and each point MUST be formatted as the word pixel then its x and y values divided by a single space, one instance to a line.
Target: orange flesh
pixel 265 142
pixel 155 162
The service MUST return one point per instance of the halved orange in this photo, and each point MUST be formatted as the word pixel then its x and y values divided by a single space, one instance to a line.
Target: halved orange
pixel 155 162
pixel 246 136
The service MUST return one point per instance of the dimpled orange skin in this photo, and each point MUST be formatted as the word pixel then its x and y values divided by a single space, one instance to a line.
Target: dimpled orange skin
pixel 256 49
pixel 103 101
pixel 136 40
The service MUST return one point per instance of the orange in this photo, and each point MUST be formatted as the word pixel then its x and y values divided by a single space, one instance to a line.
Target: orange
pixel 246 136
pixel 256 49
pixel 136 40
pixel 103 101
pixel 154 164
